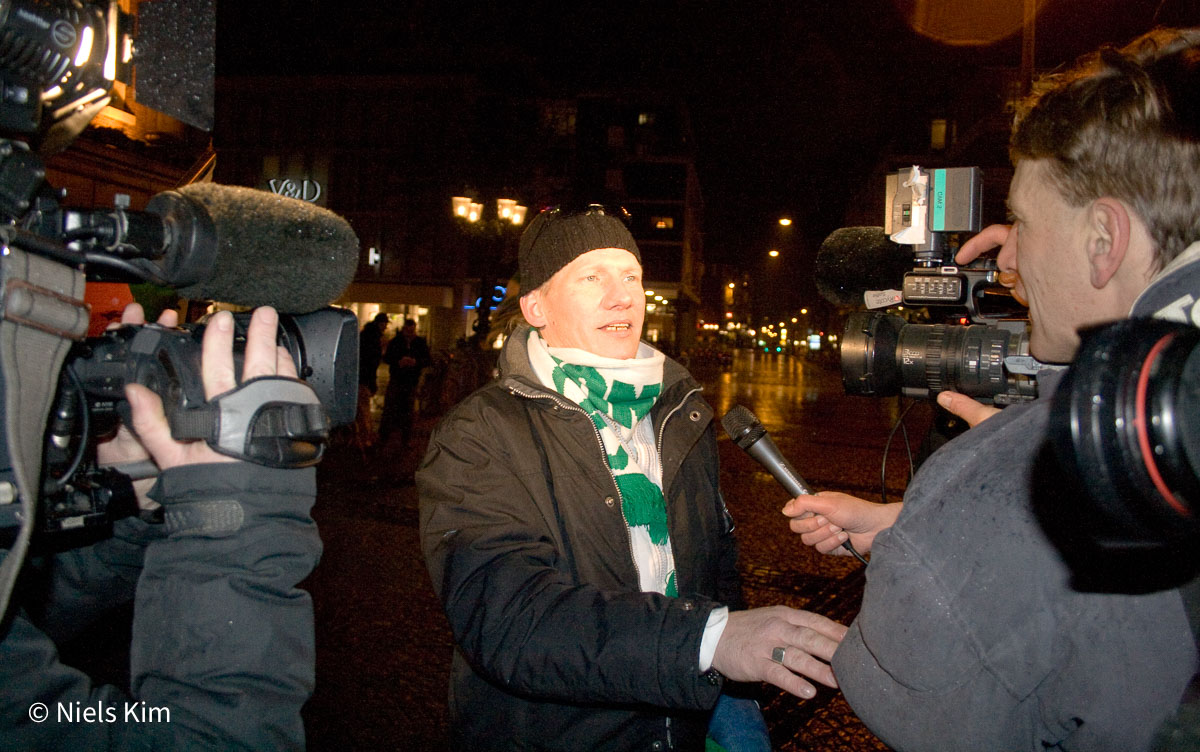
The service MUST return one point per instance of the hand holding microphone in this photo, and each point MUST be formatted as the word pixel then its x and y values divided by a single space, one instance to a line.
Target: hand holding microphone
pixel 827 520
pixel 749 434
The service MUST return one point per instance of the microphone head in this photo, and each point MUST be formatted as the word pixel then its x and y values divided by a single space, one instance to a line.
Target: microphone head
pixel 273 250
pixel 853 260
pixel 742 426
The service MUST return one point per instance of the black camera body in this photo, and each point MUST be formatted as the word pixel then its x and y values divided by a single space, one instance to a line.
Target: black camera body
pixel 61 393
pixel 988 359
pixel 90 403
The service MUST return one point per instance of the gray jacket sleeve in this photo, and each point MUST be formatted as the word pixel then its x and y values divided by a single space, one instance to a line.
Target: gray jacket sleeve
pixel 222 653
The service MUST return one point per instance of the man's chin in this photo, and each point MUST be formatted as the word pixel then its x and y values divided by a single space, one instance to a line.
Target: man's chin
pixel 621 347
pixel 1049 353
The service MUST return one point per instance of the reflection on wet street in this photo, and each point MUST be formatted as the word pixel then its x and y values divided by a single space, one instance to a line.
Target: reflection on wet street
pixel 384 646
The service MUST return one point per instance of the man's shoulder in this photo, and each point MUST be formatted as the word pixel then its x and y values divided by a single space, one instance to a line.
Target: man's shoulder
pixel 491 402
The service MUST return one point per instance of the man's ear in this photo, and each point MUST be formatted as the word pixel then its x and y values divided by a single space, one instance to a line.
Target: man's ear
pixel 531 308
pixel 1108 239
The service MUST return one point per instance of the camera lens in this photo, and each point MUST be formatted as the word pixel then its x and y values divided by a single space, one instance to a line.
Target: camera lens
pixel 1125 424
pixel 884 355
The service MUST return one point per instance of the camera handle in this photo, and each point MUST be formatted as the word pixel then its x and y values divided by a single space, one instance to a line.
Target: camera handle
pixel 41 312
pixel 270 420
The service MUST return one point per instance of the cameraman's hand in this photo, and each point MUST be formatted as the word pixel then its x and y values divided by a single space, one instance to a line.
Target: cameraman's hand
pixel 827 519
pixel 153 440
pixel 972 411
pixel 992 236
pixel 262 358
pixel 750 637
pixel 124 448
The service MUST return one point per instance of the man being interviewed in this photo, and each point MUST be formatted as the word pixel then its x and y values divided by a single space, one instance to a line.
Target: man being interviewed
pixel 573 526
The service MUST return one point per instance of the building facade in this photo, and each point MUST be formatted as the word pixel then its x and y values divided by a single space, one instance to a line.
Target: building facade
pixel 389 152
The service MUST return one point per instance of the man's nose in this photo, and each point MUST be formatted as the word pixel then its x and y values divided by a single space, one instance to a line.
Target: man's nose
pixel 618 295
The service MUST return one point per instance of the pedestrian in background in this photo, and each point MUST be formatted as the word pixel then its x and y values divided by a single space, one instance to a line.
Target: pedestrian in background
pixel 370 354
pixel 406 356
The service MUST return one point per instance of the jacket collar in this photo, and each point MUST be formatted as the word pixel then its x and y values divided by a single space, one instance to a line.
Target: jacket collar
pixel 1172 294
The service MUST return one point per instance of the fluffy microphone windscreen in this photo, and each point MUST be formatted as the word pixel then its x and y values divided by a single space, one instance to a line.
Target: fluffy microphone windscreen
pixel 853 260
pixel 273 250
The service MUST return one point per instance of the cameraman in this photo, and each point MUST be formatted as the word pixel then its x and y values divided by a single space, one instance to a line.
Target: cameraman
pixel 222 652
pixel 974 632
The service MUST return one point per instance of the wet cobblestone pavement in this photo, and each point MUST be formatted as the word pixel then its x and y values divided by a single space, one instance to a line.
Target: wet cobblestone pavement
pixel 383 645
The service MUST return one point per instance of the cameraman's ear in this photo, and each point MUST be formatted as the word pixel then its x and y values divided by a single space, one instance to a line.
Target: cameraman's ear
pixel 1109 238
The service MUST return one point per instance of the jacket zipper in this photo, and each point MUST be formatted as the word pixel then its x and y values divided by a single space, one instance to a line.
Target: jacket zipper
pixel 662 431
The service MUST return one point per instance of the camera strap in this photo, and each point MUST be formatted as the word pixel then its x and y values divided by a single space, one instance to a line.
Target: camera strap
pixel 269 420
pixel 41 312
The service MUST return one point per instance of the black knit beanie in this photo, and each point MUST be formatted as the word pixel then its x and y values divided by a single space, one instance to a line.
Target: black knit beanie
pixel 554 239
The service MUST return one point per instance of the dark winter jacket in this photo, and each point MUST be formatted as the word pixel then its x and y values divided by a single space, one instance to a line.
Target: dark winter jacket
pixel 222 650
pixel 524 537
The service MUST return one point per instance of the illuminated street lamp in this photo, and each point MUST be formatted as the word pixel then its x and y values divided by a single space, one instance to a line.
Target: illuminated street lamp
pixel 773 253
pixel 507 210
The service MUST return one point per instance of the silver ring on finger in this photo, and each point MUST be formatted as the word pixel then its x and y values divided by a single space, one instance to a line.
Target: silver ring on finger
pixel 778 655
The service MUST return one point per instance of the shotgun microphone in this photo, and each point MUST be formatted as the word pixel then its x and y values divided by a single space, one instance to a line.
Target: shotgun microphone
pixel 219 242
pixel 854 260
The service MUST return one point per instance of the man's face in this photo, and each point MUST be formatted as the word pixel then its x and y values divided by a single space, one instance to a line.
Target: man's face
pixel 1047 247
pixel 595 303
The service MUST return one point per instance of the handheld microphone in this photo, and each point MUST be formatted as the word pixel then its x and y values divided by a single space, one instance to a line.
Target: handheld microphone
pixel 853 260
pixel 226 243
pixel 749 434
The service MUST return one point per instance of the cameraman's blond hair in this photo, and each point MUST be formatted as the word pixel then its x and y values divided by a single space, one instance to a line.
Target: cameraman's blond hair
pixel 1125 123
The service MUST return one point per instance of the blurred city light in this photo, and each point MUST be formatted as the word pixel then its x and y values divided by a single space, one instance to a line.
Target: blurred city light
pixel 966 23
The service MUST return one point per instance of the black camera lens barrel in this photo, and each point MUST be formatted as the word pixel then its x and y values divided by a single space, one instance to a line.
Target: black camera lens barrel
pixel 884 355
pixel 1126 425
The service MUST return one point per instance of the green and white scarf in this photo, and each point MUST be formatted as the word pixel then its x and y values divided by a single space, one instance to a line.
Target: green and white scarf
pixel 617 394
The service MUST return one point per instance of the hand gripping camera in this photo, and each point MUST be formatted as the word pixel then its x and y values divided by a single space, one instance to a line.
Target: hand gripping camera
pixel 884 355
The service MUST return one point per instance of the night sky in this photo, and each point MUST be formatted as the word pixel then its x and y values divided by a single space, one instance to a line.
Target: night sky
pixel 791 101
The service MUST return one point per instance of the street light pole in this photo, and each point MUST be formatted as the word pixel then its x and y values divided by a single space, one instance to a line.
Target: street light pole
pixel 490 238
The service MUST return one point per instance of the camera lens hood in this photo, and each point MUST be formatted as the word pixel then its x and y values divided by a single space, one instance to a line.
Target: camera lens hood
pixel 1126 423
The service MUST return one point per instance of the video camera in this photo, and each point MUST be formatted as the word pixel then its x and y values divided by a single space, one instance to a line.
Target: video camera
pixel 884 355
pixel 61 392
